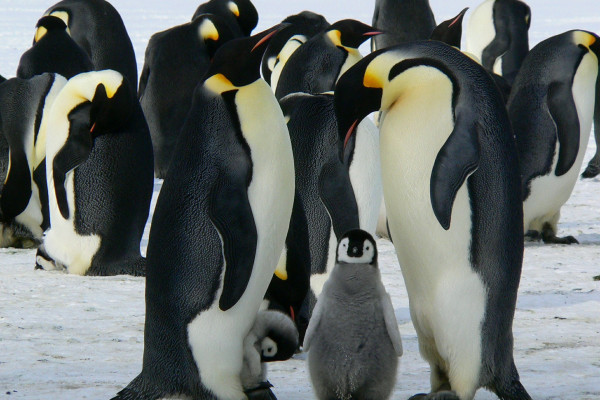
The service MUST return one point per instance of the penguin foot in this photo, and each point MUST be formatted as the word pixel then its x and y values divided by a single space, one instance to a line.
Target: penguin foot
pixel 533 236
pixel 261 392
pixel 549 236
pixel 591 171
pixel 442 395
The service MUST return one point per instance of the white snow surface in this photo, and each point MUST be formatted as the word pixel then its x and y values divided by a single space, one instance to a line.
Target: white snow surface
pixel 72 337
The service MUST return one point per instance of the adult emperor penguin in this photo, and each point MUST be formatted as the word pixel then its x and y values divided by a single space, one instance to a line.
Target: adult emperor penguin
pixel 240 15
pixel 452 190
pixel 401 21
pixel 217 232
pixel 302 27
pixel 99 174
pixel 316 66
pixel 175 62
pixel 353 341
pixel 450 31
pixel 53 50
pixel 97 27
pixel 593 167
pixel 24 196
pixel 497 34
pixel 551 108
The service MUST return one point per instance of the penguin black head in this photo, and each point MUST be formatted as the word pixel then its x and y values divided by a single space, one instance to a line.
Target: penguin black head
pixel 238 61
pixel 213 32
pixel 357 247
pixel 246 14
pixel 277 346
pixel 309 19
pixel 110 111
pixel 47 24
pixel 450 31
pixel 350 33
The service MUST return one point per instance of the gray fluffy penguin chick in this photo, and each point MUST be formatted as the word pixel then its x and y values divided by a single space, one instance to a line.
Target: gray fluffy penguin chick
pixel 273 337
pixel 352 340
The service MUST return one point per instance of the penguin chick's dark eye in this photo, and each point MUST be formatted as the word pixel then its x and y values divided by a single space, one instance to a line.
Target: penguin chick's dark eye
pixel 367 248
pixel 344 245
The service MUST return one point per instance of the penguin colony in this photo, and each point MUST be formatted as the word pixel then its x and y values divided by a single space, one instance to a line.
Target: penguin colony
pixel 262 240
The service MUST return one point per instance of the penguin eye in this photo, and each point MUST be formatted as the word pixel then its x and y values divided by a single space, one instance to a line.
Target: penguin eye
pixel 367 248
pixel 344 245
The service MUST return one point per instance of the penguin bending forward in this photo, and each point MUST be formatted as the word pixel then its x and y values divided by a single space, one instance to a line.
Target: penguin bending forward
pixel 99 174
pixel 217 232
pixel 451 187
pixel 353 341
pixel 240 15
pixel 551 108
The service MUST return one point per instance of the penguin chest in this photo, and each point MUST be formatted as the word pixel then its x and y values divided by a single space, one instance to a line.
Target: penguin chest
pixel 286 52
pixel 435 262
pixel 549 192
pixel 480 29
pixel 353 56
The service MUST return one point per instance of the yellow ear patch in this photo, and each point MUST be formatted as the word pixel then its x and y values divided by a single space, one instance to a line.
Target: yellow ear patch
pixel 218 84
pixel 584 38
pixel 372 80
pixel 208 30
pixel 64 16
pixel 281 271
pixel 335 36
pixel 39 33
pixel 234 8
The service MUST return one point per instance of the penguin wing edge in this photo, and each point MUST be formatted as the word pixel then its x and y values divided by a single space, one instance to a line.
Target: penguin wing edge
pixel 391 323
pixel 231 214
pixel 564 113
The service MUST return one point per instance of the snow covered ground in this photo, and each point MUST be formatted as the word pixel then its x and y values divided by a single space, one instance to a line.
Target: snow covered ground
pixel 73 337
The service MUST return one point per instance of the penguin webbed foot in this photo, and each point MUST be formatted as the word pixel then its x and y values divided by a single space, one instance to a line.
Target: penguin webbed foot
pixel 592 169
pixel 261 392
pixel 549 236
pixel 532 236
pixel 441 395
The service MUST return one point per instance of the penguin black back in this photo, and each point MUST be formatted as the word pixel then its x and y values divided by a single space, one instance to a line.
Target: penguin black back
pixel 53 50
pixel 240 15
pixel 401 21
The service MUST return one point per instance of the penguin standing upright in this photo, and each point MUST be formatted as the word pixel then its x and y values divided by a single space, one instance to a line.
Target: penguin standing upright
pixel 353 341
pixel 497 34
pixel 99 174
pixel 401 21
pixel 97 27
pixel 316 66
pixel 53 50
pixel 551 107
pixel 24 214
pixel 217 232
pixel 240 15
pixel 175 61
pixel 452 190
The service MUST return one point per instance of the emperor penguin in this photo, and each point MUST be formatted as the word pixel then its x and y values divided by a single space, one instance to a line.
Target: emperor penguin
pixel 353 341
pixel 24 214
pixel 316 66
pixel 551 107
pixel 593 167
pixel 452 193
pixel 53 50
pixel 497 34
pixel 217 232
pixel 99 174
pixel 401 21
pixel 450 31
pixel 175 62
pixel 303 26
pixel 97 27
pixel 240 15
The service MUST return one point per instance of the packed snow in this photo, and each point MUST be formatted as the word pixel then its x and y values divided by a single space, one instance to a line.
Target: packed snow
pixel 72 337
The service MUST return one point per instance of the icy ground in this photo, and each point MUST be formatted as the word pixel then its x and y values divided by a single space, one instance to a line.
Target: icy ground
pixel 70 337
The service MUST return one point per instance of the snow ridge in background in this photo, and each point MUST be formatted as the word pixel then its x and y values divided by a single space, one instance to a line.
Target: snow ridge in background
pixel 74 337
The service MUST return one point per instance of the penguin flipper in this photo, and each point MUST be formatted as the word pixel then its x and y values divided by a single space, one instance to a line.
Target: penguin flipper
pixel 564 113
pixel 315 318
pixel 17 187
pixel 391 323
pixel 231 214
pixel 335 190
pixel 457 159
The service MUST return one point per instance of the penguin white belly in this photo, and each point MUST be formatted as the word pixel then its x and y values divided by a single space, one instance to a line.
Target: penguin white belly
pixel 480 29
pixel 353 57
pixel 31 217
pixel 216 337
pixel 447 298
pixel 284 55
pixel 68 248
pixel 365 175
pixel 550 192
pixel 318 280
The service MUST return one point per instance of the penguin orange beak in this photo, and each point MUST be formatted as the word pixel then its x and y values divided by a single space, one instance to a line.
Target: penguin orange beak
pixel 350 132
pixel 268 36
pixel 373 33
pixel 458 17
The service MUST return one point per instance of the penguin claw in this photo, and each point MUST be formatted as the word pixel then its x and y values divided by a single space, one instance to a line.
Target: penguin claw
pixel 560 240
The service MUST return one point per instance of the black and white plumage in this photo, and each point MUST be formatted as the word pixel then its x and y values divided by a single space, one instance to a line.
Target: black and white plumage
pixel 175 62
pixel 99 174
pixel 97 27
pixel 593 167
pixel 551 108
pixel 352 339
pixel 452 190
pixel 240 15
pixel 401 21
pixel 217 232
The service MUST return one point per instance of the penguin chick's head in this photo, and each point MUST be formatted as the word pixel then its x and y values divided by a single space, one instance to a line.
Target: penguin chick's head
pixel 350 33
pixel 245 14
pixel 281 338
pixel 213 32
pixel 357 247
pixel 46 24
pixel 237 62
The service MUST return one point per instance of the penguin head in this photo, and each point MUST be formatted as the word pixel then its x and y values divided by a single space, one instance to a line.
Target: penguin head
pixel 49 23
pixel 280 339
pixel 212 31
pixel 357 247
pixel 245 14
pixel 450 31
pixel 587 40
pixel 237 62
pixel 350 33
